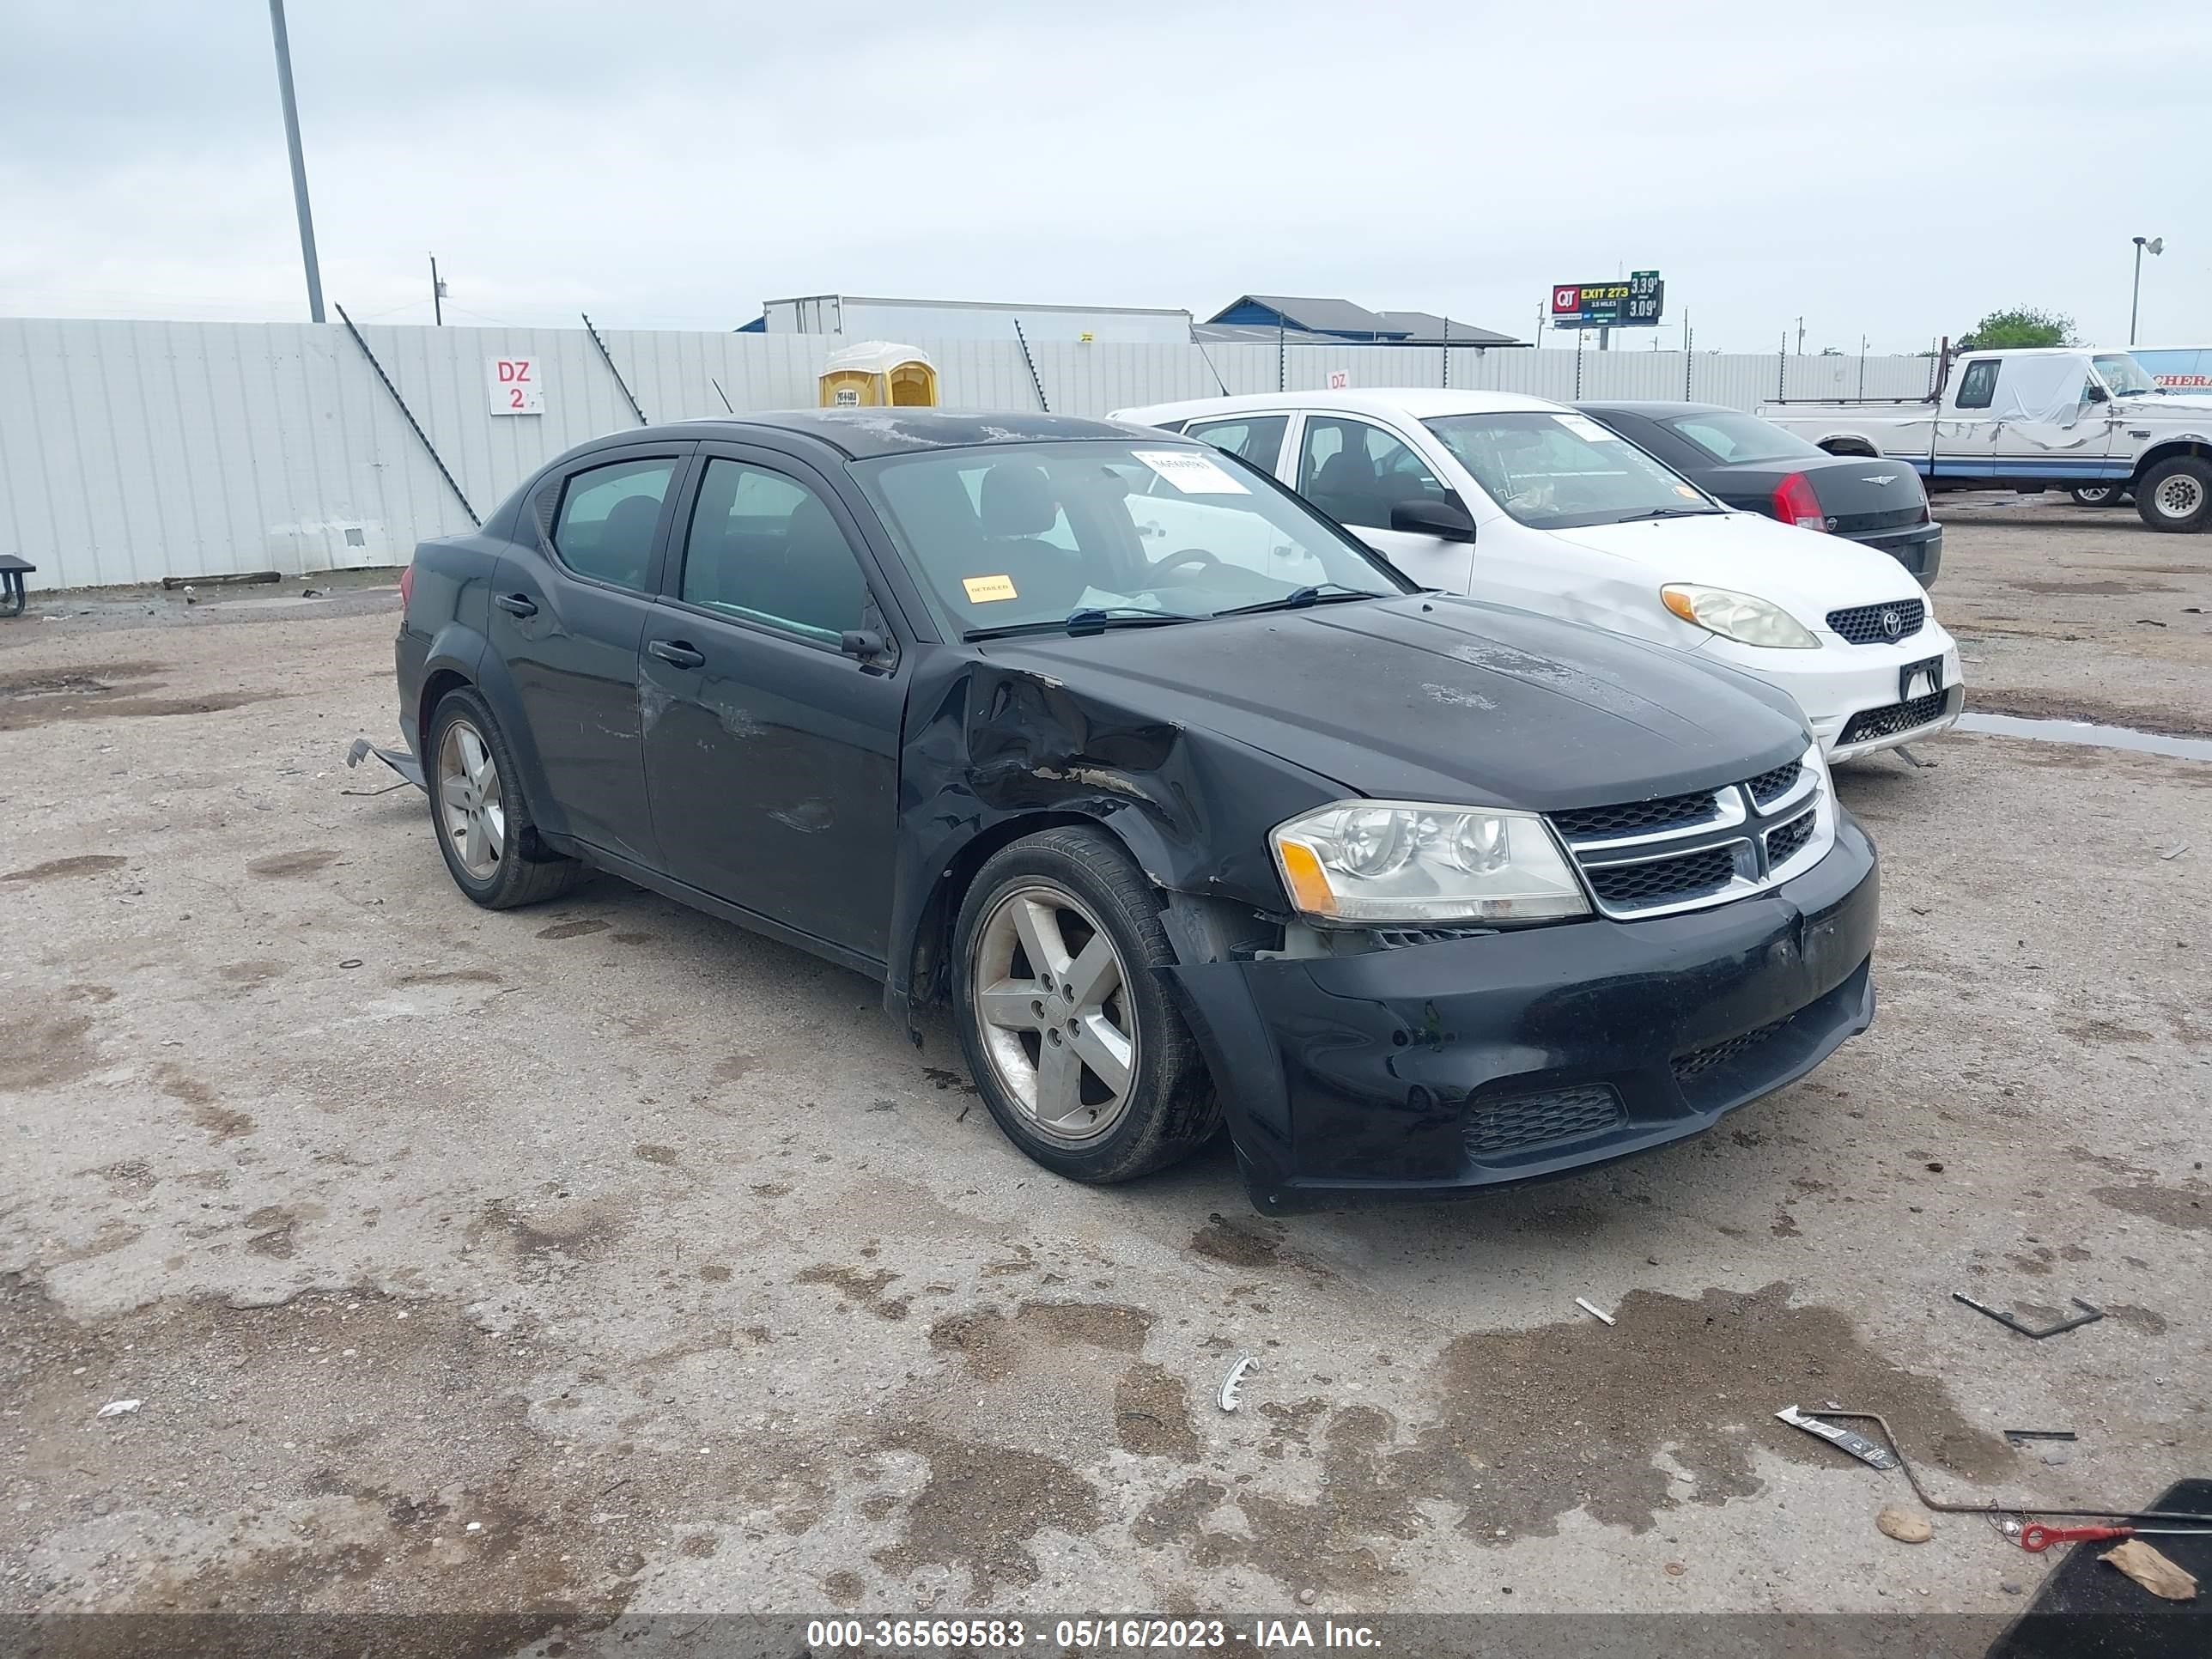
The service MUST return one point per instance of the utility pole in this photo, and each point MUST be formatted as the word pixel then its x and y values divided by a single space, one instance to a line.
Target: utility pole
pixel 2143 244
pixel 437 294
pixel 299 162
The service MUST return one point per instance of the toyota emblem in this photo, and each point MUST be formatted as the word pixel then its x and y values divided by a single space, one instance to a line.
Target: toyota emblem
pixel 1892 624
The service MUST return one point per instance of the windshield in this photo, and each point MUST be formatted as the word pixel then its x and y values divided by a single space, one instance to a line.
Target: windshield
pixel 1554 471
pixel 1729 437
pixel 1013 535
pixel 2123 374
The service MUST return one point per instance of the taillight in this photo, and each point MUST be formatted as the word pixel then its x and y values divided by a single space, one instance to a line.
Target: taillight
pixel 1796 503
pixel 407 584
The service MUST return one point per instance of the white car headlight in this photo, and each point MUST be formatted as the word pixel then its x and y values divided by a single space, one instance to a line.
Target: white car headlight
pixel 1744 617
pixel 1409 861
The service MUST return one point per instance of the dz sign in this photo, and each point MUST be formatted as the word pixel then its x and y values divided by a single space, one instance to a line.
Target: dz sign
pixel 515 386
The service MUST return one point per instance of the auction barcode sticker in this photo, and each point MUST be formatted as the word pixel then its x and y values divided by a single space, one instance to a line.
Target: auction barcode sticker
pixel 1191 471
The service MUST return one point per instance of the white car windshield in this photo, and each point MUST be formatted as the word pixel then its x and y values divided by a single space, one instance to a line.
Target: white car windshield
pixel 2123 374
pixel 1016 536
pixel 1557 470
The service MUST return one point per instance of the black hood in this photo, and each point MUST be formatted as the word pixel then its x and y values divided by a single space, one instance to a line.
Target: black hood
pixel 1433 697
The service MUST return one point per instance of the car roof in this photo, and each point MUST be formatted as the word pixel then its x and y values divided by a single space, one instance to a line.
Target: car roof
pixel 1654 409
pixel 861 433
pixel 1419 403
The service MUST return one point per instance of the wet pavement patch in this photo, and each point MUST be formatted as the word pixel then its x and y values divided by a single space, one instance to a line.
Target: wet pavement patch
pixel 304 862
pixel 572 929
pixel 2189 1208
pixel 862 1290
pixel 44 1049
pixel 982 1507
pixel 996 1345
pixel 1151 1414
pixel 84 864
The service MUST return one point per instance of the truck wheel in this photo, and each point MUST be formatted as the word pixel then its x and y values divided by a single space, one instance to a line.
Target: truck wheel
pixel 2177 493
pixel 483 824
pixel 1064 1016
pixel 2096 495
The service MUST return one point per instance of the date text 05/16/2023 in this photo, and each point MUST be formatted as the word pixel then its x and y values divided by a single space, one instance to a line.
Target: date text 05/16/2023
pixel 932 1635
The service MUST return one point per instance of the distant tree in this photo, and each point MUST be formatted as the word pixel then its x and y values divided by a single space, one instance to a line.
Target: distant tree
pixel 2022 326
pixel 1832 352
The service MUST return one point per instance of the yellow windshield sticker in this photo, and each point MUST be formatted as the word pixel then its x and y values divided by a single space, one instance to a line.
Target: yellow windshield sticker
pixel 981 590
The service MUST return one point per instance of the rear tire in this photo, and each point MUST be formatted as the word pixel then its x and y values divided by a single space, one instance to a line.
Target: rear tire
pixel 2176 495
pixel 484 826
pixel 2097 495
pixel 1032 1030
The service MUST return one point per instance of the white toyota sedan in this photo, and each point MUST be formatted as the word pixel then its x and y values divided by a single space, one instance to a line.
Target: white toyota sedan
pixel 1528 502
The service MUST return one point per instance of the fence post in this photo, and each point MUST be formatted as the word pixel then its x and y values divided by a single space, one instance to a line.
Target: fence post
pixel 408 415
pixel 607 358
pixel 1782 367
pixel 1689 358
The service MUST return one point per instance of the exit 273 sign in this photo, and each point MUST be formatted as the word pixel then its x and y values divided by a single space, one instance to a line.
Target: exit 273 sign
pixel 1635 302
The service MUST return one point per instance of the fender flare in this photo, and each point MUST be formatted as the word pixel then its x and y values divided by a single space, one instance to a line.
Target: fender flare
pixel 462 651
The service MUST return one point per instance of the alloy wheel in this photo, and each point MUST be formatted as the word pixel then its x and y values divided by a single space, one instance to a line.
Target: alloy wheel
pixel 2180 495
pixel 469 805
pixel 1050 996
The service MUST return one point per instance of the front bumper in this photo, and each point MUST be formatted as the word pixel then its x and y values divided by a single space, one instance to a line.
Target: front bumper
pixel 1841 683
pixel 1434 1070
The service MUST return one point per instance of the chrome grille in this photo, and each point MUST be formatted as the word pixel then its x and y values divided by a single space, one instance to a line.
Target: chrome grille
pixel 1686 852
pixel 1871 624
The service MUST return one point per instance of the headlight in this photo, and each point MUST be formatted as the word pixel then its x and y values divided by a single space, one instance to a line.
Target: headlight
pixel 1740 617
pixel 1406 861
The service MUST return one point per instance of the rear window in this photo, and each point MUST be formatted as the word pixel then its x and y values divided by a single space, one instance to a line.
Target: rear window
pixel 1729 438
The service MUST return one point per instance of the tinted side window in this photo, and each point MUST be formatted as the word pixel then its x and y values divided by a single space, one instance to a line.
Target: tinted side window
pixel 764 547
pixel 608 519
pixel 1356 472
pixel 1977 387
pixel 1257 438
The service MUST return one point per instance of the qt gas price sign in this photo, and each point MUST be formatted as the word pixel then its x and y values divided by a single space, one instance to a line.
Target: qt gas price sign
pixel 1637 303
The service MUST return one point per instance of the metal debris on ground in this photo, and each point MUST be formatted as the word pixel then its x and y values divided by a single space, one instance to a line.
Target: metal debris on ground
pixel 120 1407
pixel 2035 1537
pixel 1235 1380
pixel 1850 1440
pixel 2156 1574
pixel 1593 1309
pixel 1913 760
pixel 2089 1316
pixel 2175 852
pixel 2017 1436
pixel 1898 1523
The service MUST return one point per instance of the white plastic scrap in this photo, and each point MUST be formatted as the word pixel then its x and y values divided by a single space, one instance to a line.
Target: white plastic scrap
pixel 1234 1380
pixel 1593 1309
pixel 120 1407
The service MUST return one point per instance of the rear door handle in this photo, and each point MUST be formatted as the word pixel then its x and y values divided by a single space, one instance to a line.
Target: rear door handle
pixel 677 652
pixel 520 604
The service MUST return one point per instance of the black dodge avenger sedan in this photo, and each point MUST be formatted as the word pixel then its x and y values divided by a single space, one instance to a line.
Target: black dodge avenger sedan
pixel 1191 808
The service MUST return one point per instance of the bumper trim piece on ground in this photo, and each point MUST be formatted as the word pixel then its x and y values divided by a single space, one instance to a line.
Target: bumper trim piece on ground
pixel 400 762
pixel 1436 1070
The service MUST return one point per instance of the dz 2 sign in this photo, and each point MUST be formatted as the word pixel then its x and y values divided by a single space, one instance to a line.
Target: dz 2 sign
pixel 515 386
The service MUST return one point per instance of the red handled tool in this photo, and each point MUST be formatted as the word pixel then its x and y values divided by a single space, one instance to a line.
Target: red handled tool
pixel 2038 1537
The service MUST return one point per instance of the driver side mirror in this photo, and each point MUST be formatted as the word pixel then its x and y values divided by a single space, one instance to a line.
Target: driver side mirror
pixel 1446 520
pixel 2094 393
pixel 864 643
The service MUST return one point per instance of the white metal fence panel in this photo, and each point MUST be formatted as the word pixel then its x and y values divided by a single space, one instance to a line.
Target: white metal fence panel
pixel 132 450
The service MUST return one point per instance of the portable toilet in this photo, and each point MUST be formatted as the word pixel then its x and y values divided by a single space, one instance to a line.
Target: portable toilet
pixel 876 373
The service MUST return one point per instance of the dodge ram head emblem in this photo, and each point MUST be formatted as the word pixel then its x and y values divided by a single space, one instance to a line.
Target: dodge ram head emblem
pixel 1892 623
pixel 1880 478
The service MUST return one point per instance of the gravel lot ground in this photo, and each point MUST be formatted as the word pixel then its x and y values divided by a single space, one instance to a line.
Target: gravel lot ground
pixel 603 1256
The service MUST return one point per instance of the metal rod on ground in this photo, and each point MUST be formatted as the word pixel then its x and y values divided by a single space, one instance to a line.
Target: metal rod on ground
pixel 607 357
pixel 1031 361
pixel 408 415
pixel 299 161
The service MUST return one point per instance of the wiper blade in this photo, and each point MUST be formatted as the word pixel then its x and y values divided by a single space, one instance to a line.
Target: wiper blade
pixel 1672 513
pixel 1089 619
pixel 1300 598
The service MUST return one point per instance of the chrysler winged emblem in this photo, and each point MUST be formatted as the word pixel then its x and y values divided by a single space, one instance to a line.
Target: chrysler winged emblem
pixel 1880 478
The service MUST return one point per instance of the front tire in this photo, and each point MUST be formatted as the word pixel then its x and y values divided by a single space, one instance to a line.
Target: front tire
pixel 2097 495
pixel 2176 495
pixel 1064 1014
pixel 484 829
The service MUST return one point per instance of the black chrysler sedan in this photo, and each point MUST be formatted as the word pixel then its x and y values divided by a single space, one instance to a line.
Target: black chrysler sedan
pixel 1191 808
pixel 1755 465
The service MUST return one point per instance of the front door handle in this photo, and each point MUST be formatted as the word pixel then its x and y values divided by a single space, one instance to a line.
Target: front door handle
pixel 520 605
pixel 677 652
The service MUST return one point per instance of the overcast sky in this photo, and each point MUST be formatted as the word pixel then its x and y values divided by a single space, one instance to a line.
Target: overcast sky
pixel 1890 170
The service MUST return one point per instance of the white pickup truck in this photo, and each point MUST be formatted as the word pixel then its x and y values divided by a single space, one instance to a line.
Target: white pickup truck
pixel 2032 419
